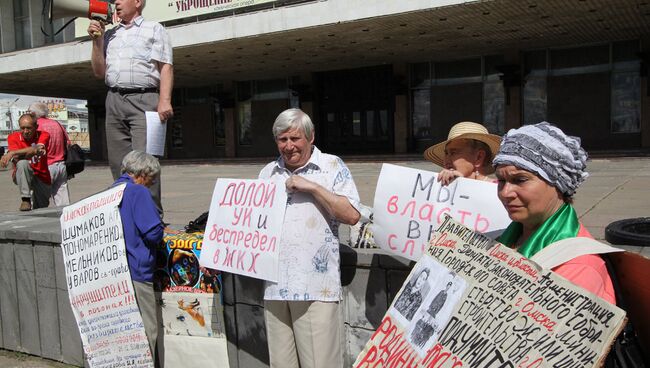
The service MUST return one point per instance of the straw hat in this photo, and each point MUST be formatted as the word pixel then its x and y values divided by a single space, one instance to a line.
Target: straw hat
pixel 466 130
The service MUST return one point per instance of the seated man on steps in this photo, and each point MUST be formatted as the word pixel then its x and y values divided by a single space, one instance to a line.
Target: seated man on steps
pixel 27 149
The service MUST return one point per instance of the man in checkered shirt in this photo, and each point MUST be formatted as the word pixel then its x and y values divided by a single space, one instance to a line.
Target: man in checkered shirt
pixel 135 60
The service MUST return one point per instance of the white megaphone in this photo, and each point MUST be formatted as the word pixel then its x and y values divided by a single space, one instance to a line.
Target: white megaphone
pixel 92 9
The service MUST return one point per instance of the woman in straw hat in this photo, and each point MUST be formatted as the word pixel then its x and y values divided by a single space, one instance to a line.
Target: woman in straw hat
pixel 466 153
pixel 539 169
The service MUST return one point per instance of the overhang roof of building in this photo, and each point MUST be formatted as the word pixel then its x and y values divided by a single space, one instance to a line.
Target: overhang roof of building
pixel 274 46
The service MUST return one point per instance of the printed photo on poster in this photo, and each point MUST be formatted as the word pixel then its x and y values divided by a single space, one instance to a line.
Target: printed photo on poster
pixel 414 292
pixel 178 268
pixel 192 314
pixel 426 302
pixel 434 315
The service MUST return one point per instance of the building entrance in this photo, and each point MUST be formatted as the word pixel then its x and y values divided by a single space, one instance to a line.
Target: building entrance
pixel 356 109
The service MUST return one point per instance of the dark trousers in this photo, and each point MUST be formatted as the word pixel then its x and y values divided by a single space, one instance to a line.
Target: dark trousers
pixel 126 131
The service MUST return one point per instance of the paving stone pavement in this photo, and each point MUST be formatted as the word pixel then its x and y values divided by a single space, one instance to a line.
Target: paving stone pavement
pixel 617 188
pixel 10 359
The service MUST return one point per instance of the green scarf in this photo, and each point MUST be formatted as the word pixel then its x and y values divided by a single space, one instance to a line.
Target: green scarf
pixel 563 224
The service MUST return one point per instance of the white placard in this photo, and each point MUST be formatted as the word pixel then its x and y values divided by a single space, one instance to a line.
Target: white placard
pixel 410 204
pixel 99 282
pixel 156 132
pixel 195 351
pixel 242 235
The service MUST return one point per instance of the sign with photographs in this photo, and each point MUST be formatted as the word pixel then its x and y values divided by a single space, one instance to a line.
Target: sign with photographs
pixel 472 302
pixel 410 204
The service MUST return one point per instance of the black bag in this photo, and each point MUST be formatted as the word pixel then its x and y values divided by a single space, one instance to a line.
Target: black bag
pixel 75 160
pixel 626 351
pixel 198 225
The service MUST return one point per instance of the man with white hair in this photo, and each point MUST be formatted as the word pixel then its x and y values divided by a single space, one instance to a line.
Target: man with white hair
pixel 302 309
pixel 135 60
pixel 59 142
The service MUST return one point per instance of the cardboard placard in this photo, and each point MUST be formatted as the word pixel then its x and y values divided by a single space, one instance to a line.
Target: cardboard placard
pixel 99 282
pixel 244 226
pixel 410 204
pixel 483 305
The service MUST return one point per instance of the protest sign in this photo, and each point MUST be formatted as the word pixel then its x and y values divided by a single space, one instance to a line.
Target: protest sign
pixel 191 304
pixel 244 227
pixel 190 295
pixel 472 302
pixel 99 282
pixel 410 204
pixel 177 268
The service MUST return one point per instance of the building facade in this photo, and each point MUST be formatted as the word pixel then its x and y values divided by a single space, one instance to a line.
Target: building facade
pixel 377 76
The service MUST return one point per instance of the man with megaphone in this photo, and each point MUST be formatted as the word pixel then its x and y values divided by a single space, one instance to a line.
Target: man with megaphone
pixel 135 60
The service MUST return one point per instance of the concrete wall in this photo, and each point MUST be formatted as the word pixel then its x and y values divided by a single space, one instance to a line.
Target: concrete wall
pixel 36 317
pixel 35 313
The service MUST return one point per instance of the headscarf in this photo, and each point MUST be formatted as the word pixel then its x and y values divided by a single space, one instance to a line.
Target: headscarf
pixel 545 150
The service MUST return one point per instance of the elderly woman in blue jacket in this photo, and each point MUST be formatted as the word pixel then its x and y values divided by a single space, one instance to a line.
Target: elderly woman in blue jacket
pixel 143 231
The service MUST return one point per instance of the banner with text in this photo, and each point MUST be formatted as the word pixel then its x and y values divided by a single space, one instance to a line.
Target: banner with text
pixel 410 204
pixel 178 9
pixel 244 227
pixel 99 282
pixel 472 302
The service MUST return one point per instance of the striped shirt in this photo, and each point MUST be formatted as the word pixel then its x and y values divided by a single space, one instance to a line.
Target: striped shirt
pixel 130 52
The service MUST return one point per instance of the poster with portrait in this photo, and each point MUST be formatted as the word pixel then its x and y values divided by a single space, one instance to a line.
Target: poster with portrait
pixel 472 302
pixel 190 296
pixel 425 304
pixel 178 268
pixel 190 300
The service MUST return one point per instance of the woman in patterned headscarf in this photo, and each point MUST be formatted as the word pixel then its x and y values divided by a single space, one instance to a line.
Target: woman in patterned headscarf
pixel 539 169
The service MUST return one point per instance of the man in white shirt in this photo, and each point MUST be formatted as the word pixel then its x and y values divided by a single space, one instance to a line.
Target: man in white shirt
pixel 135 60
pixel 302 308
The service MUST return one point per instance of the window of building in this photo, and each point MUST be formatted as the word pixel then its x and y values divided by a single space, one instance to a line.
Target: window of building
pixel 420 83
pixel 421 113
pixel 250 92
pixel 22 29
pixel 244 117
pixel 438 86
pixel 579 60
pixel 494 98
pixel 457 72
pixel 534 87
pixel 270 89
pixel 421 75
pixel 619 59
pixel 626 88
